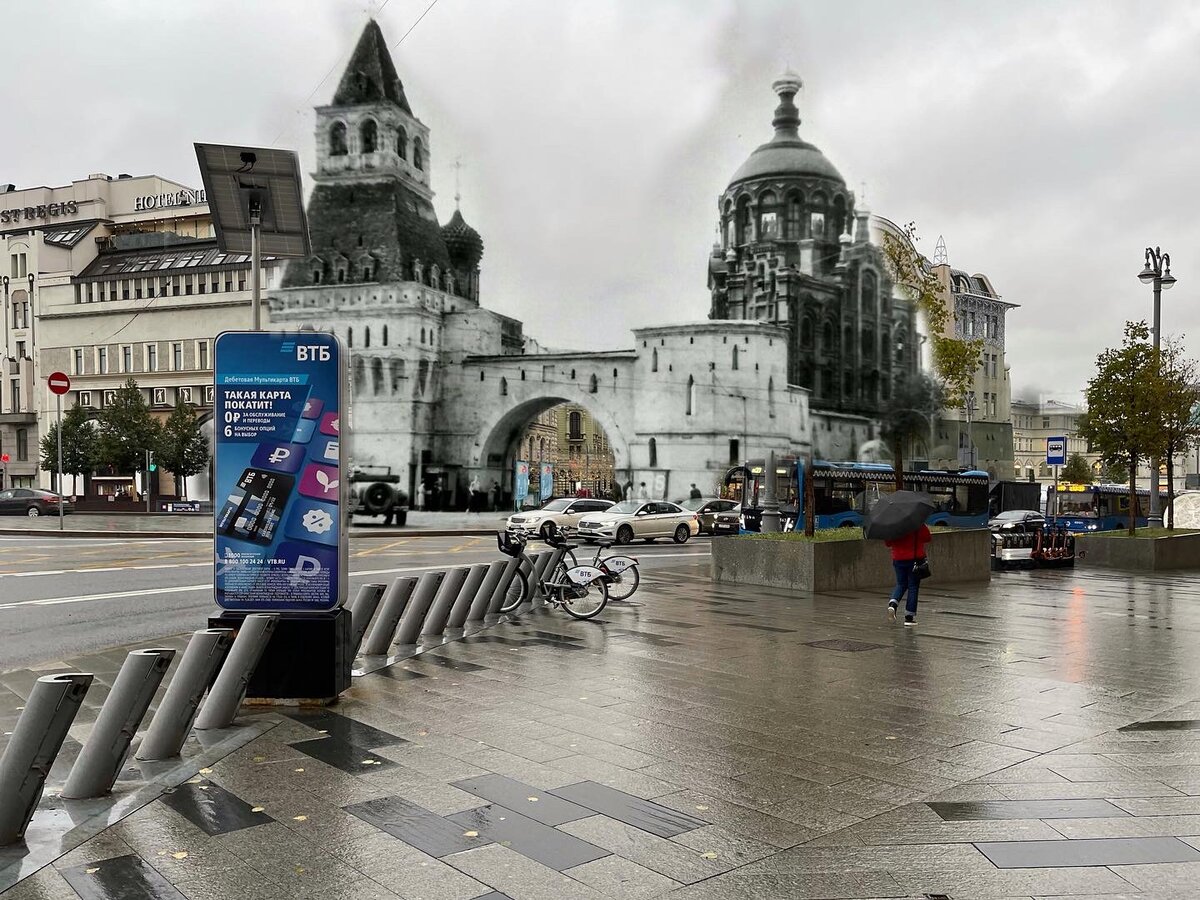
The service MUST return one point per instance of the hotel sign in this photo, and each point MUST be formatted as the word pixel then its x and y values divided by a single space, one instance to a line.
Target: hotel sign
pixel 185 197
pixel 41 211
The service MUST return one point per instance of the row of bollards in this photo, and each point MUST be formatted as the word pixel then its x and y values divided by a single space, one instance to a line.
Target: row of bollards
pixel 38 736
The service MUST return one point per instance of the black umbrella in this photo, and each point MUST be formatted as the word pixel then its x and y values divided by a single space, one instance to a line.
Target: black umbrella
pixel 897 514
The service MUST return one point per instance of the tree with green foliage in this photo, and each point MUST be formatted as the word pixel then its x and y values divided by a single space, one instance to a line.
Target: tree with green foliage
pixel 1077 470
pixel 126 430
pixel 182 447
pixel 955 359
pixel 1125 406
pixel 78 445
pixel 907 417
pixel 1177 381
pixel 1114 472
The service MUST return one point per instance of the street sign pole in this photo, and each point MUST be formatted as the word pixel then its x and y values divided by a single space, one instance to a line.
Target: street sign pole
pixel 58 398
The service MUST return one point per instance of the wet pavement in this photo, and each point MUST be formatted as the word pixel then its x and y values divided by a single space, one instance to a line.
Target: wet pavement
pixel 1038 737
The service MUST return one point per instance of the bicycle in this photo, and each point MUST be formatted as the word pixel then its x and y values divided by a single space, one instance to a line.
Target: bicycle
pixel 618 569
pixel 579 590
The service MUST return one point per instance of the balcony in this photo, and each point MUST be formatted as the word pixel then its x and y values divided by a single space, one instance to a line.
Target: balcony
pixel 18 418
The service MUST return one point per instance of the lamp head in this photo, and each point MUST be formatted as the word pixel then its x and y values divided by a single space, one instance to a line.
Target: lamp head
pixel 1147 274
pixel 1168 281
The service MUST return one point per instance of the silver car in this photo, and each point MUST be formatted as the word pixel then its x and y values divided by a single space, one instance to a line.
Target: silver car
pixel 553 515
pixel 645 520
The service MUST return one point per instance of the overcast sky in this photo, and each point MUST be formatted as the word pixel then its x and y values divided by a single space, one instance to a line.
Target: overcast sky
pixel 1049 143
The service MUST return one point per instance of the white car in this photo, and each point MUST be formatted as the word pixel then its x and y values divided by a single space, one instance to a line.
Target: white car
pixel 554 515
pixel 640 520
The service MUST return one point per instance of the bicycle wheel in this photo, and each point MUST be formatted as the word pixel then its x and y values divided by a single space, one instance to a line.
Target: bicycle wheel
pixel 590 604
pixel 517 593
pixel 623 590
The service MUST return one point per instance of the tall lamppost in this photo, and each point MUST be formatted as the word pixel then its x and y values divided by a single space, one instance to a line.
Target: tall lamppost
pixel 1157 272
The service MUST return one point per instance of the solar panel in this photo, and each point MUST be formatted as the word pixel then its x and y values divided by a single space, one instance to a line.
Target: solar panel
pixel 235 178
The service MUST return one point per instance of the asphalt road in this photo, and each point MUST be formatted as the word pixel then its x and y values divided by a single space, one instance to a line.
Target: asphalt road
pixel 61 597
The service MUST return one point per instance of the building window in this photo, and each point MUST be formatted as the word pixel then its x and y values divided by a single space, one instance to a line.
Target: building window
pixel 241 281
pixel 159 396
pixel 771 396
pixel 575 425
pixel 20 349
pixel 418 157
pixel 1045 421
pixel 22 437
pixel 201 285
pixel 368 135
pixel 77 355
pixel 385 336
pixel 176 357
pixel 152 357
pixel 102 358
pixel 734 452
pixel 653 453
pixel 149 287
pixel 202 354
pixel 15 396
pixel 127 358
pixel 19 265
pixel 402 144
pixel 229 282
pixel 654 360
pixel 109 398
pixel 367 337
pixel 209 391
pixel 792 232
pixel 593 384
pixel 184 395
pixel 337 139
pixel 691 395
pixel 735 351
pixel 85 398
pixel 503 387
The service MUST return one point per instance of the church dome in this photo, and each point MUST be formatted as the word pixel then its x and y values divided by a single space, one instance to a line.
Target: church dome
pixel 786 154
pixel 462 241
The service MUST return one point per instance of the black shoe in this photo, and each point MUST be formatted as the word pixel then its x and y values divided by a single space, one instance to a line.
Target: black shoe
pixel 909 621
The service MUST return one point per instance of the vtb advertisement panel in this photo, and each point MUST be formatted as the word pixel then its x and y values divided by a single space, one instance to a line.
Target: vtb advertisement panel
pixel 280 506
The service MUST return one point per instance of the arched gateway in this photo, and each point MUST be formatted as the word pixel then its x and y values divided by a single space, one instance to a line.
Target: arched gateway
pixel 442 386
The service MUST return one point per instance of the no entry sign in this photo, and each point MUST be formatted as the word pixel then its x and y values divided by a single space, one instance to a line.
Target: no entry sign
pixel 59 383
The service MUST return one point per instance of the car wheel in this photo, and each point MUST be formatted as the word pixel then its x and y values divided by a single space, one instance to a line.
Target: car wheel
pixel 547 531
pixel 33 512
pixel 624 534
pixel 682 533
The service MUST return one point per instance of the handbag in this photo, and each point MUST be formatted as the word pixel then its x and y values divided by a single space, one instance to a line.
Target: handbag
pixel 920 569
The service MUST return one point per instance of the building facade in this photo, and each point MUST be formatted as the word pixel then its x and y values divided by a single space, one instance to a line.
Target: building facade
pixel 795 251
pixel 443 387
pixel 1035 421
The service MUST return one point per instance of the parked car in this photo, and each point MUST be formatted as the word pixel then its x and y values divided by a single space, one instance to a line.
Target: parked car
pixel 716 516
pixel 32 502
pixel 375 492
pixel 1018 520
pixel 553 515
pixel 640 520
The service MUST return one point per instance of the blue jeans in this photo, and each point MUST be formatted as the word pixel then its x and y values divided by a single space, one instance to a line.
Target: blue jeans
pixel 906 581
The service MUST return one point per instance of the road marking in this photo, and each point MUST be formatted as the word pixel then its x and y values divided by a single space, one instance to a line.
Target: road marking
pixel 375 550
pixel 56 601
pixel 103 569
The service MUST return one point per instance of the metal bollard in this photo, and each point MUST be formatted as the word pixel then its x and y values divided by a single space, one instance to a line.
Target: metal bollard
pixel 36 740
pixel 230 687
pixel 107 747
pixel 483 597
pixel 540 568
pixel 470 589
pixel 506 579
pixel 361 612
pixel 394 603
pixel 443 602
pixel 173 719
pixel 418 606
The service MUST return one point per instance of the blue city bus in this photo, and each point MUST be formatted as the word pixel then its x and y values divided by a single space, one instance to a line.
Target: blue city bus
pixel 844 491
pixel 1096 507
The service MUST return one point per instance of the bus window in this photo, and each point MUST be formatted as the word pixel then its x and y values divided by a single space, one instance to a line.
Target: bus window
pixel 834 497
pixel 1078 504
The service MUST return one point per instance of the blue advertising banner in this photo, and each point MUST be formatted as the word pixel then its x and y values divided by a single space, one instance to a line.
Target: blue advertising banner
pixel 280 533
pixel 521 483
pixel 546 481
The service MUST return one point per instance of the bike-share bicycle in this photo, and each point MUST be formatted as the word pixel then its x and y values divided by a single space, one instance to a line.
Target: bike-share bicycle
pixel 581 591
pixel 620 571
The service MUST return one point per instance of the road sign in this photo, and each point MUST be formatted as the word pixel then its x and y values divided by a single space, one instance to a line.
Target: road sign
pixel 281 523
pixel 1056 451
pixel 4 457
pixel 59 383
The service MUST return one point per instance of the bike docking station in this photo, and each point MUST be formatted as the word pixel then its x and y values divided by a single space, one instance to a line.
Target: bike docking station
pixel 282 519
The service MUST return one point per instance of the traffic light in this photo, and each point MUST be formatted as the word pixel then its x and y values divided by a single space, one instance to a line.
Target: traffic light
pixel 151 465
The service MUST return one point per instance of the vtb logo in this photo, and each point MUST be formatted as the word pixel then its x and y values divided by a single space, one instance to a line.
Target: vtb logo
pixel 313 353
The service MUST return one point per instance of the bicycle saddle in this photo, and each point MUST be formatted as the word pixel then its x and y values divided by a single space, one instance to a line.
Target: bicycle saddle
pixel 510 544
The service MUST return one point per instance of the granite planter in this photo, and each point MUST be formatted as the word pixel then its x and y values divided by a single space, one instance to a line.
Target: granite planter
pixel 1144 554
pixel 954 556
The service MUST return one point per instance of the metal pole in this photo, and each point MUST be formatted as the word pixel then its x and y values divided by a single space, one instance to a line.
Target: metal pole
pixel 361 611
pixel 233 679
pixel 255 262
pixel 770 513
pixel 35 742
pixel 507 574
pixel 173 719
pixel 394 602
pixel 147 481
pixel 443 601
pixel 414 612
pixel 483 597
pixel 107 747
pixel 58 399
pixel 1155 518
pixel 466 597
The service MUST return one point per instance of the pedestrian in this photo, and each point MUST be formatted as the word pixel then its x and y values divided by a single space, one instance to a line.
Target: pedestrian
pixel 695 494
pixel 907 551
pixel 642 493
pixel 496 496
pixel 474 502
pixel 627 494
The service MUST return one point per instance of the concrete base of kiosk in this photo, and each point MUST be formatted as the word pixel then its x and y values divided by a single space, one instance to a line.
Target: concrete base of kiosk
pixel 307 661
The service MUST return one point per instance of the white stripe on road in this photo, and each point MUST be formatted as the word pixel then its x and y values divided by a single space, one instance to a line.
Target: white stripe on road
pixel 104 569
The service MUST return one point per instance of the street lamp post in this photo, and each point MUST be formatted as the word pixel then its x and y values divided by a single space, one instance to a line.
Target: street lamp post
pixel 1156 272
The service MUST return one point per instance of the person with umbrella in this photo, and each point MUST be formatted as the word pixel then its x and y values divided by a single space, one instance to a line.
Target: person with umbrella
pixel 898 519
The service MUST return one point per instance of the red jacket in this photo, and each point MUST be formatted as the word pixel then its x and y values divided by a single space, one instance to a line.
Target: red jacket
pixel 911 546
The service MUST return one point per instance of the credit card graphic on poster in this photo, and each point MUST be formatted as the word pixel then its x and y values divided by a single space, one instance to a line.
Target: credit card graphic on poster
pixel 281 516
